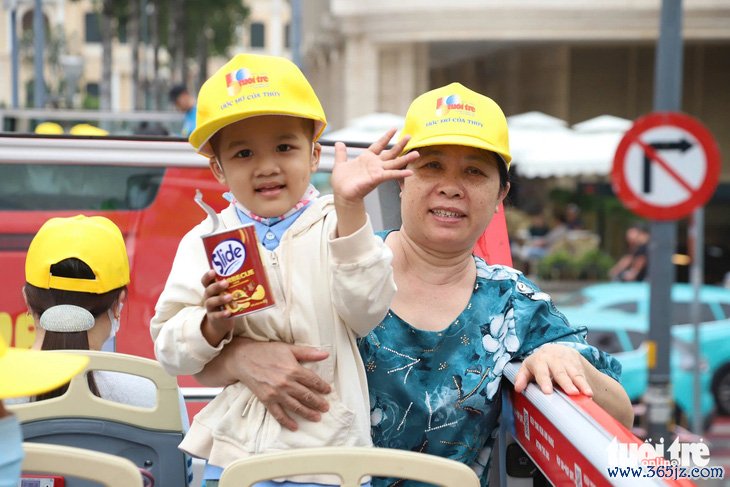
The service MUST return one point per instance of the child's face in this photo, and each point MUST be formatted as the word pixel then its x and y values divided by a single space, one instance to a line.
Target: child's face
pixel 266 161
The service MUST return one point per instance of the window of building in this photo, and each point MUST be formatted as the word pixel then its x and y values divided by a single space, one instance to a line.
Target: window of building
pixel 92 89
pixel 287 36
pixel 258 31
pixel 93 29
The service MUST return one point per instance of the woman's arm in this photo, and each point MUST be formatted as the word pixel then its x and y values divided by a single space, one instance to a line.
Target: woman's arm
pixel 566 367
pixel 274 374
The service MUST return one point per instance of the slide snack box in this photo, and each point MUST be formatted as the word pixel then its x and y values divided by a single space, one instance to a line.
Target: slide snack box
pixel 234 256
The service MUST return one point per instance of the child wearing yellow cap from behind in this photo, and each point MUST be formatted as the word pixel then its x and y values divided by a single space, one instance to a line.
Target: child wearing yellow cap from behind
pixel 258 122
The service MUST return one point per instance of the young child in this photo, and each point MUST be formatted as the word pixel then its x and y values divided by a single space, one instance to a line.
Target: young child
pixel 258 122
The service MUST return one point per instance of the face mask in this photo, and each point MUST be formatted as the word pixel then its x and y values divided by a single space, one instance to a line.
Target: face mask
pixel 11 446
pixel 114 320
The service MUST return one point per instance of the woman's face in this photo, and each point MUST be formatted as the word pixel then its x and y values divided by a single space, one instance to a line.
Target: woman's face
pixel 451 196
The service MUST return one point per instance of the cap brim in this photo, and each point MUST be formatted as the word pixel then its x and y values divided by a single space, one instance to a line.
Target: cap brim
pixel 458 139
pixel 30 372
pixel 202 146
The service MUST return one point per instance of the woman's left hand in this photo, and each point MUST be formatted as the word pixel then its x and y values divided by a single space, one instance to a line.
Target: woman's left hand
pixel 554 363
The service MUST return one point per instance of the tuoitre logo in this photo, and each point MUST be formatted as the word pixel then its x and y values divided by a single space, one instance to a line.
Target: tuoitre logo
pixel 228 257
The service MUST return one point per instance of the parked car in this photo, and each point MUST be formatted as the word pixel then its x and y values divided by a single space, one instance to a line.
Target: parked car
pixel 633 298
pixel 624 336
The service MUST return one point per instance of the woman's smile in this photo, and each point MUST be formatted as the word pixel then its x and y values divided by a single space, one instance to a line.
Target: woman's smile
pixel 447 215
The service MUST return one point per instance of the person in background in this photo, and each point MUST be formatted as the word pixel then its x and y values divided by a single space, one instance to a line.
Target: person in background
pixel 536 241
pixel 633 266
pixel 185 103
pixel 76 273
pixel 572 218
pixel 435 363
pixel 25 373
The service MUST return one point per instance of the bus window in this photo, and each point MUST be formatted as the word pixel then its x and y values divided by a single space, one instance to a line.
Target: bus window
pixel 77 187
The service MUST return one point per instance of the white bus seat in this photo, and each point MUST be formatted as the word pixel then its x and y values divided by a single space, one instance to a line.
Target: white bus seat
pixel 147 436
pixel 104 469
pixel 351 464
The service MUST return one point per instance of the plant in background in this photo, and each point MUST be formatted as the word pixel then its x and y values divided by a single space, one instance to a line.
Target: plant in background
pixel 593 265
pixel 558 265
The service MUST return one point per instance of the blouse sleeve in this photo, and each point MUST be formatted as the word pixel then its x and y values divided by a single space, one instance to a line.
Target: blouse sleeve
pixel 538 322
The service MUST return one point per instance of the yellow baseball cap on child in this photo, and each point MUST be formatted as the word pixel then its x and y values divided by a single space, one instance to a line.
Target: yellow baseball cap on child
pixel 456 115
pixel 250 85
pixel 28 372
pixel 96 240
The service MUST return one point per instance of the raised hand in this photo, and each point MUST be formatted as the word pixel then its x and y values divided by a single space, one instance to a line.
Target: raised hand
pixel 353 179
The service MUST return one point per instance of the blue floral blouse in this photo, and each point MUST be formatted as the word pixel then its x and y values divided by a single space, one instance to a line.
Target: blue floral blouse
pixel 437 391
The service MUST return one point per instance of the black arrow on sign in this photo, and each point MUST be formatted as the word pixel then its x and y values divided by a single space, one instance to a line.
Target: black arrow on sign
pixel 681 145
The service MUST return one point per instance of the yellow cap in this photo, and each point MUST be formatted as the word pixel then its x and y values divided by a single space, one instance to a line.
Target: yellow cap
pixel 456 115
pixel 30 372
pixel 95 240
pixel 49 128
pixel 87 129
pixel 250 85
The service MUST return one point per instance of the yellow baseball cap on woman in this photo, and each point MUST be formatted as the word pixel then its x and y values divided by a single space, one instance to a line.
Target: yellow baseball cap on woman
pixel 28 372
pixel 456 115
pixel 95 240
pixel 250 85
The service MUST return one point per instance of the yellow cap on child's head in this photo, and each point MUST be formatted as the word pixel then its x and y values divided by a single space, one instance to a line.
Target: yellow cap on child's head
pixel 250 85
pixel 456 115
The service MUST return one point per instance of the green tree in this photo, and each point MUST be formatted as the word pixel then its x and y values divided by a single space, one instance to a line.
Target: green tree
pixel 197 29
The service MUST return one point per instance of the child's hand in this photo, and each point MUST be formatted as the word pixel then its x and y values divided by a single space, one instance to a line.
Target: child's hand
pixel 217 323
pixel 353 180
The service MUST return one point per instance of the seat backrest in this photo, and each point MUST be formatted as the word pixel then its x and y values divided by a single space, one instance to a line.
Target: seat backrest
pixel 147 436
pixel 107 470
pixel 351 464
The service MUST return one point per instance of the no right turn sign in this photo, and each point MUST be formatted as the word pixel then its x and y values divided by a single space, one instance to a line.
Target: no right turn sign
pixel 665 166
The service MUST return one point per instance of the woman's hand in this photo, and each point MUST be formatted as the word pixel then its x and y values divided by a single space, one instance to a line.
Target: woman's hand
pixel 273 373
pixel 554 363
pixel 566 367
pixel 352 180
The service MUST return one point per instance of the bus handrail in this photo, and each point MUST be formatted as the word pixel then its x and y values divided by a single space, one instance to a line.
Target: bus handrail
pixel 565 436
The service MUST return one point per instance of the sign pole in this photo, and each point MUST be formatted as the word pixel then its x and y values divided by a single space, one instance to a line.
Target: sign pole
pixel 667 97
pixel 697 236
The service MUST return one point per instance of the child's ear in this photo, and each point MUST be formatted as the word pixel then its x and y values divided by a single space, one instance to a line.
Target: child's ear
pixel 316 155
pixel 217 169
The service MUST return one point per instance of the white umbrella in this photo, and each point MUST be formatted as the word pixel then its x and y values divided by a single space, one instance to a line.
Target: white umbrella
pixel 530 135
pixel 555 150
pixel 366 129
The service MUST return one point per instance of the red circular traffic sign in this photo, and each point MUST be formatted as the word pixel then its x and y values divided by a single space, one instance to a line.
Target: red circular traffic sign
pixel 666 166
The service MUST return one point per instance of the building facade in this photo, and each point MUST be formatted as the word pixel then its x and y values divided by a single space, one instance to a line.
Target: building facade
pixel 73 43
pixel 571 59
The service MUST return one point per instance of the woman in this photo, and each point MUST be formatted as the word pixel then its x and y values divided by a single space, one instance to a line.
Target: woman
pixel 77 271
pixel 435 363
